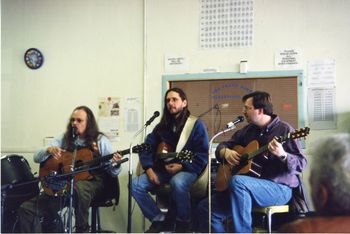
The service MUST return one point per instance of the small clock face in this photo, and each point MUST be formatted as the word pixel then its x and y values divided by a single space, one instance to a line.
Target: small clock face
pixel 33 58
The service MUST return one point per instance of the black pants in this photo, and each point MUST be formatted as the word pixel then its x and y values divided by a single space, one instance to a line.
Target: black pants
pixel 40 214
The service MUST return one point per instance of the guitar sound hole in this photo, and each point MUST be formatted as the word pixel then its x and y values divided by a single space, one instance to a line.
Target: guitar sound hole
pixel 244 159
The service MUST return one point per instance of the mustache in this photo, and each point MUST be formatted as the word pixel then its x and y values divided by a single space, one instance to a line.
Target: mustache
pixel 174 111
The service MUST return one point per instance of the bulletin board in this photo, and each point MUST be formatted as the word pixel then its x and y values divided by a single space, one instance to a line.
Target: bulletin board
pixel 217 97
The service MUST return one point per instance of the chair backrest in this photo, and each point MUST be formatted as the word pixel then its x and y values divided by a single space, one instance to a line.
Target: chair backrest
pixel 299 204
pixel 111 191
pixel 139 169
pixel 200 187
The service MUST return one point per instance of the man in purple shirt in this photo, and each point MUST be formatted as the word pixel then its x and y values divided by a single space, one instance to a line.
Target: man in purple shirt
pixel 280 165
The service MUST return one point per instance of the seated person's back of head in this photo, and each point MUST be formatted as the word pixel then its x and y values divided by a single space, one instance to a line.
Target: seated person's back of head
pixel 330 185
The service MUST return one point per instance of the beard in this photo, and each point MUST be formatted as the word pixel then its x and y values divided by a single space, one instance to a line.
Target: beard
pixel 175 112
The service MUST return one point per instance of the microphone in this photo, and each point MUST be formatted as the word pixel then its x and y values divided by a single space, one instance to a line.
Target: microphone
pixel 221 106
pixel 216 107
pixel 224 105
pixel 155 115
pixel 74 132
pixel 234 122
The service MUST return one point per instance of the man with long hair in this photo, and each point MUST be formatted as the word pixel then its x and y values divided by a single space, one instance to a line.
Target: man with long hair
pixel 40 214
pixel 177 131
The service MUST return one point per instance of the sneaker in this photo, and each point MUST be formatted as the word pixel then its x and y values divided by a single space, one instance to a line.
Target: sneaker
pixel 182 227
pixel 156 227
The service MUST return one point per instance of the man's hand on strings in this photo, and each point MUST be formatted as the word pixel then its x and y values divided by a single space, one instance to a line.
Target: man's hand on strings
pixel 55 151
pixel 116 158
pixel 276 148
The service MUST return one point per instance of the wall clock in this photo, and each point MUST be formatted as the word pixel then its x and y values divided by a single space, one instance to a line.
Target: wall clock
pixel 33 58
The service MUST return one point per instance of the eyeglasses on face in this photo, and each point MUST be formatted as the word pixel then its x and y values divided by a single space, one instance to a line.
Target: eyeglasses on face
pixel 246 108
pixel 72 120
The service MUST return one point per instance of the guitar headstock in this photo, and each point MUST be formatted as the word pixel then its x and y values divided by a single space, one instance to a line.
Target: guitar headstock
pixel 185 156
pixel 141 148
pixel 302 132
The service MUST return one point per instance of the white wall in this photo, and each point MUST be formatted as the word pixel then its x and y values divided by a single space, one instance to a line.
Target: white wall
pixel 95 48
pixel 92 49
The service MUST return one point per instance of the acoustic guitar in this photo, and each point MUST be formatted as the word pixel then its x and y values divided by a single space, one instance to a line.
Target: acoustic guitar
pixel 247 166
pixel 84 159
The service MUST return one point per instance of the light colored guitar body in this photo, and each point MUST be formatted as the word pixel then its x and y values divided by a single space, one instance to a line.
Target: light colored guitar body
pixel 248 167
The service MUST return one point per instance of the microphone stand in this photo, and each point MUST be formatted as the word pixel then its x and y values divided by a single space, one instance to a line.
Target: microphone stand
pixel 233 126
pixel 130 176
pixel 70 213
pixel 216 106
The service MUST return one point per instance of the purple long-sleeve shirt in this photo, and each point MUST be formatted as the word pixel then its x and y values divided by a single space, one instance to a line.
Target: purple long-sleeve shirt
pixel 273 168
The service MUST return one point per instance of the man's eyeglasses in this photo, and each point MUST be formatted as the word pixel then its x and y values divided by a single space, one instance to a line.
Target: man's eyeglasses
pixel 72 120
pixel 246 108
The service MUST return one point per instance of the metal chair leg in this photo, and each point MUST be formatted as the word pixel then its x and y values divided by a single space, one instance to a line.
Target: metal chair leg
pixel 269 219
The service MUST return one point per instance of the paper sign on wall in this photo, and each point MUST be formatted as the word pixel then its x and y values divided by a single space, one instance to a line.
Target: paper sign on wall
pixel 109 117
pixel 178 64
pixel 288 59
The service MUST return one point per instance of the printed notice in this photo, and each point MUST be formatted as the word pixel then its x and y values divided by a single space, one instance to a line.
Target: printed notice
pixel 288 59
pixel 321 73
pixel 132 113
pixel 226 23
pixel 321 108
pixel 109 117
pixel 175 64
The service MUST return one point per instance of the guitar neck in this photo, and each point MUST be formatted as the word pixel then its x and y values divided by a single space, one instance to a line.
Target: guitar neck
pixel 167 155
pixel 124 152
pixel 138 148
pixel 107 157
pixel 281 139
pixel 97 160
pixel 257 152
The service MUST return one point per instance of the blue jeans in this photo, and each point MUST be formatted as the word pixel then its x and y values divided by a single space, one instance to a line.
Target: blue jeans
pixel 180 184
pixel 220 211
pixel 237 202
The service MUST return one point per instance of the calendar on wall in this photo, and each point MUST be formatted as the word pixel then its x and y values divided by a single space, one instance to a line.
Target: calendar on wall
pixel 226 23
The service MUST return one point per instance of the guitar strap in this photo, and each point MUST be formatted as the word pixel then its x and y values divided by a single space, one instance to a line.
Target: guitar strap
pixel 186 132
